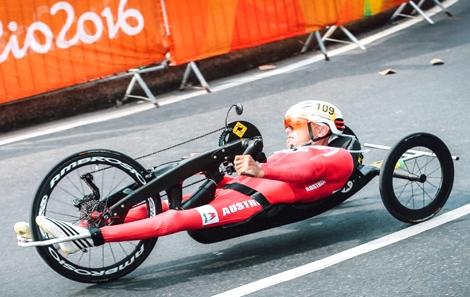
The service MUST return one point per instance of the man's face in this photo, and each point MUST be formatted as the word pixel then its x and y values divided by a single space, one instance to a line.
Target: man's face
pixel 298 135
pixel 297 132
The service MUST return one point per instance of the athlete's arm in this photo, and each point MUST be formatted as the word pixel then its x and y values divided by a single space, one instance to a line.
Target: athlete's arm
pixel 329 165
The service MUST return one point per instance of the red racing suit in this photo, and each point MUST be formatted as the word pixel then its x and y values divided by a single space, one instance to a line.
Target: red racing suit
pixel 300 175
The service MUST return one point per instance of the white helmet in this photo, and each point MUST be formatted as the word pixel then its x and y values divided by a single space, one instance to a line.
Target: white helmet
pixel 319 112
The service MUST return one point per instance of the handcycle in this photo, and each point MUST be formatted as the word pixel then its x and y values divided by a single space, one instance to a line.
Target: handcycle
pixel 101 186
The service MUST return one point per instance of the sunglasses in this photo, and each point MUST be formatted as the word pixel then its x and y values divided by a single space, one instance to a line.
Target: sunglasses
pixel 294 123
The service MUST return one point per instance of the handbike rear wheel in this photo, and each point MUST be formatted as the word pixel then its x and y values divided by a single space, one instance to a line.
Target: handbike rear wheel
pixel 75 190
pixel 416 178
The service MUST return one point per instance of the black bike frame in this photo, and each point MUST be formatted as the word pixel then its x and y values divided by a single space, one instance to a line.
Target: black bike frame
pixel 171 177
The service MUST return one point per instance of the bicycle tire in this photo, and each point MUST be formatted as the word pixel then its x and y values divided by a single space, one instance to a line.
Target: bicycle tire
pixel 421 199
pixel 112 172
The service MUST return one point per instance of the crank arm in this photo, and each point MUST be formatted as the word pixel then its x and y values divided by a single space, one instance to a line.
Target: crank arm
pixel 88 179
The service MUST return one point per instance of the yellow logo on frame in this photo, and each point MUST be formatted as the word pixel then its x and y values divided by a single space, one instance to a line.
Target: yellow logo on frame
pixel 239 129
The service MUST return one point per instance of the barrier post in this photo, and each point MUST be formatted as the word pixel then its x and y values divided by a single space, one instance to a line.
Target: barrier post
pixel 348 34
pixel 137 78
pixel 192 66
pixel 320 44
pixel 417 8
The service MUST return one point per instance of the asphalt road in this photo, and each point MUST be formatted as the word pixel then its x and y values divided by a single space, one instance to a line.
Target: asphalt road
pixel 380 109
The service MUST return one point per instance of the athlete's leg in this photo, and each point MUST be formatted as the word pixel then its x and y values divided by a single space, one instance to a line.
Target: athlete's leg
pixel 223 210
pixel 168 222
pixel 140 212
pixel 229 207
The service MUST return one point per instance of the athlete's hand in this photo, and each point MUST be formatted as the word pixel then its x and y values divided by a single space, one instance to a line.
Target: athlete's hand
pixel 245 165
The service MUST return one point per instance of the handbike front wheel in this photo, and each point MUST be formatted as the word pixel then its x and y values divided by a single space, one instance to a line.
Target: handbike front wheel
pixel 77 190
pixel 416 178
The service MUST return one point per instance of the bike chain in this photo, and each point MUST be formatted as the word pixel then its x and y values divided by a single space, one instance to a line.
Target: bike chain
pixel 166 149
pixel 179 144
pixel 176 145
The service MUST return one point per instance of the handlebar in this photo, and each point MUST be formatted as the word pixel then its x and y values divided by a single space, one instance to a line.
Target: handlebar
pixel 252 145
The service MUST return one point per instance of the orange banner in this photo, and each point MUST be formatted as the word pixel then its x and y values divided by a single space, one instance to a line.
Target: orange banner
pixel 49 44
pixel 353 10
pixel 206 28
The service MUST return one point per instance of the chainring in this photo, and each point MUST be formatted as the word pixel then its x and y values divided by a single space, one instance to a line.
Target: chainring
pixel 90 207
pixel 237 130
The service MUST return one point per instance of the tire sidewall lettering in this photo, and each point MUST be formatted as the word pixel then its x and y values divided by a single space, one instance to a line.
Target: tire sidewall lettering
pixel 65 169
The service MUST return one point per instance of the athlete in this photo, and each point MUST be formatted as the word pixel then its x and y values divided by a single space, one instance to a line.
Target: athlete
pixel 306 171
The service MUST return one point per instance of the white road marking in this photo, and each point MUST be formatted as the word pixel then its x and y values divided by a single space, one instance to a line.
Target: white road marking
pixel 168 99
pixel 63 125
pixel 348 254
